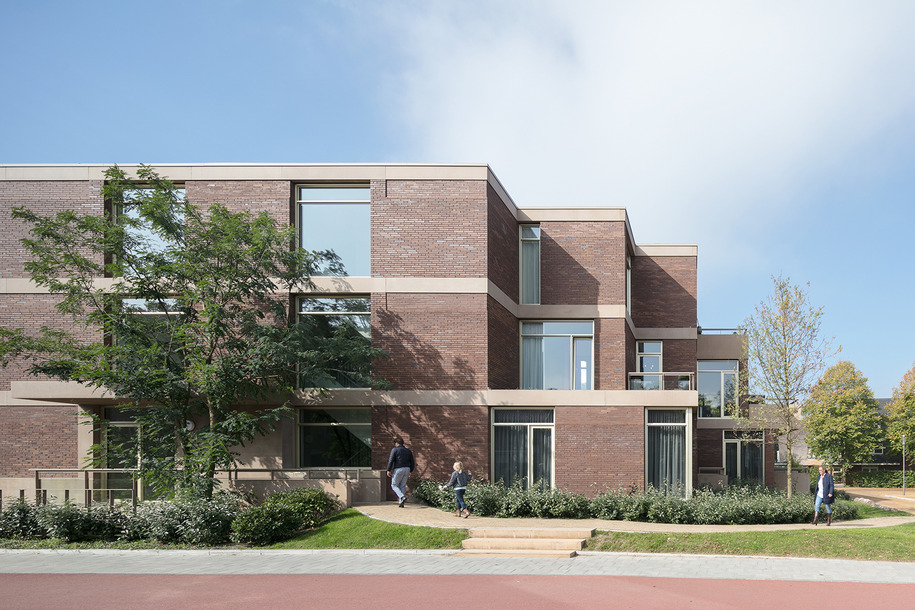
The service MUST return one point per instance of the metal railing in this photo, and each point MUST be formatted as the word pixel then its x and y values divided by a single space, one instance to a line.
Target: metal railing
pixel 662 381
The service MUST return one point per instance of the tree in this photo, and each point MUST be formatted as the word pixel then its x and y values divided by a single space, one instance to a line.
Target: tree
pixel 785 355
pixel 194 323
pixel 842 417
pixel 901 415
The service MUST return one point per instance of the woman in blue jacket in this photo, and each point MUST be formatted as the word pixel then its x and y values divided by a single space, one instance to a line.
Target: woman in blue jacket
pixel 825 495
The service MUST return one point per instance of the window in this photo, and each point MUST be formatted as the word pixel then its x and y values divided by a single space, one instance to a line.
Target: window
pixel 743 456
pixel 666 450
pixel 121 436
pixel 522 446
pixel 628 285
pixel 530 264
pixel 142 239
pixel 557 355
pixel 329 318
pixel 335 437
pixel 336 217
pixel 647 360
pixel 878 450
pixel 717 388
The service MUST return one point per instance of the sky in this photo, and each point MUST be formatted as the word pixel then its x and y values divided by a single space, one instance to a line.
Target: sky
pixel 778 136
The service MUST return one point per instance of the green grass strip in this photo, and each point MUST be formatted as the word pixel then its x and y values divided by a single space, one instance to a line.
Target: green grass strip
pixel 350 529
pixel 896 543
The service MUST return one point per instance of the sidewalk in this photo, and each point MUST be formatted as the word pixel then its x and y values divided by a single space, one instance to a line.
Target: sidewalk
pixel 420 514
pixel 886 497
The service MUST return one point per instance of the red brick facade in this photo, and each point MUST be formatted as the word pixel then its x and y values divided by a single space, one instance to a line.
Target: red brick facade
pixel 447 341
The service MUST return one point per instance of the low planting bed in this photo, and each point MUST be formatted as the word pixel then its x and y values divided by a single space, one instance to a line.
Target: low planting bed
pixel 735 505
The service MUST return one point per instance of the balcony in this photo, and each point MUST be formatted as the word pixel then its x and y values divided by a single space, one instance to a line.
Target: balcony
pixel 662 381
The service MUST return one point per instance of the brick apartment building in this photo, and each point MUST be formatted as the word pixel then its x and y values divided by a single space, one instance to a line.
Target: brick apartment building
pixel 543 343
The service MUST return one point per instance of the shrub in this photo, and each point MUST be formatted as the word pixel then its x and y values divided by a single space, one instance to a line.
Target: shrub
pixel 879 478
pixel 198 521
pixel 64 521
pixel 19 520
pixel 266 524
pixel 313 506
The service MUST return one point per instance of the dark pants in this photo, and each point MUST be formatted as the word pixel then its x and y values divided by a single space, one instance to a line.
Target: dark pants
pixel 459 496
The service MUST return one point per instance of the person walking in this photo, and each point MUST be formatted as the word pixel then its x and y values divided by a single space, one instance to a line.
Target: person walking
pixel 400 465
pixel 459 480
pixel 825 495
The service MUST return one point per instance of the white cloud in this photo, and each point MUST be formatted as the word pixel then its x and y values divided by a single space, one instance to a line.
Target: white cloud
pixel 689 114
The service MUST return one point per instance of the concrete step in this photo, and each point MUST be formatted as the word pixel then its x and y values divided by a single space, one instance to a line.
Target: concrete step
pixel 525 544
pixel 515 553
pixel 498 532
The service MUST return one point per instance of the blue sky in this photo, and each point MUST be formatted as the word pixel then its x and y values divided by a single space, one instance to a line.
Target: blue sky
pixel 776 135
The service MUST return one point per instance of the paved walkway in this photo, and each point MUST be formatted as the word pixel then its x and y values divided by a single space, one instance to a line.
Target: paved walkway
pixel 419 514
pixel 446 563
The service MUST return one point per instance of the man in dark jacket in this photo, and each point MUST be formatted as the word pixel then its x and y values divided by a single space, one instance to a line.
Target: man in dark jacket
pixel 400 465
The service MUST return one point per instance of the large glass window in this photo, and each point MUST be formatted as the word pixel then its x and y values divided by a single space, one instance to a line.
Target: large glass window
pixel 522 441
pixel 717 387
pixel 142 238
pixel 666 450
pixel 335 437
pixel 332 318
pixel 530 264
pixel 337 218
pixel 557 355
pixel 743 456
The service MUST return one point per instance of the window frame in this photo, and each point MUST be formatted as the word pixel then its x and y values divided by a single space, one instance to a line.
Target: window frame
pixel 735 372
pixel 367 314
pixel 530 438
pixel 739 438
pixel 522 240
pixel 687 425
pixel 301 425
pixel 573 368
pixel 640 374
pixel 300 202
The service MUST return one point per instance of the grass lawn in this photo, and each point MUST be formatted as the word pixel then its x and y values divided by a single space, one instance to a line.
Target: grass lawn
pixel 352 530
pixel 895 543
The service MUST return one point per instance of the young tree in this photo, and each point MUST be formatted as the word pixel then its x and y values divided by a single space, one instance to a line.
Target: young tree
pixel 842 417
pixel 785 355
pixel 901 416
pixel 194 322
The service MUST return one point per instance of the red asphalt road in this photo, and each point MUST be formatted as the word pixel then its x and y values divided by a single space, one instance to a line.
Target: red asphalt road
pixel 405 591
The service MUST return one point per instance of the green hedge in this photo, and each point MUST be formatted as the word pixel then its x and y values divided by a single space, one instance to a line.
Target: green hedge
pixel 880 478
pixel 283 515
pixel 732 505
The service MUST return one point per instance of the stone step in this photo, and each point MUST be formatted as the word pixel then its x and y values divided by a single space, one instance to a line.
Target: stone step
pixel 515 553
pixel 499 532
pixel 524 544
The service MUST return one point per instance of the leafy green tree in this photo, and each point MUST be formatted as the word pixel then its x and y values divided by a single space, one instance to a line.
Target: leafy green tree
pixel 842 417
pixel 188 318
pixel 901 416
pixel 785 355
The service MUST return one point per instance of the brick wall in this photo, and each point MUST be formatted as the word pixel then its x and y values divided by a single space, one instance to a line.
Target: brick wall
pixel 679 356
pixel 610 336
pixel 504 348
pixel 30 312
pixel 429 228
pixel 710 451
pixel 582 263
pixel 435 341
pixel 438 437
pixel 664 292
pixel 599 444
pixel 45 198
pixel 504 246
pixel 37 437
pixel 254 196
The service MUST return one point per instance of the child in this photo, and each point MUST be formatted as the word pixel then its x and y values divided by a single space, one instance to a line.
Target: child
pixel 459 479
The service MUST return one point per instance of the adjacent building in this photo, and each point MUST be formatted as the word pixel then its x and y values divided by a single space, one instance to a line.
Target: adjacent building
pixel 544 343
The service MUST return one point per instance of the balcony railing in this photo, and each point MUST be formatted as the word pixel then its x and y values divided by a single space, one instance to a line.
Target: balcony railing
pixel 662 381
